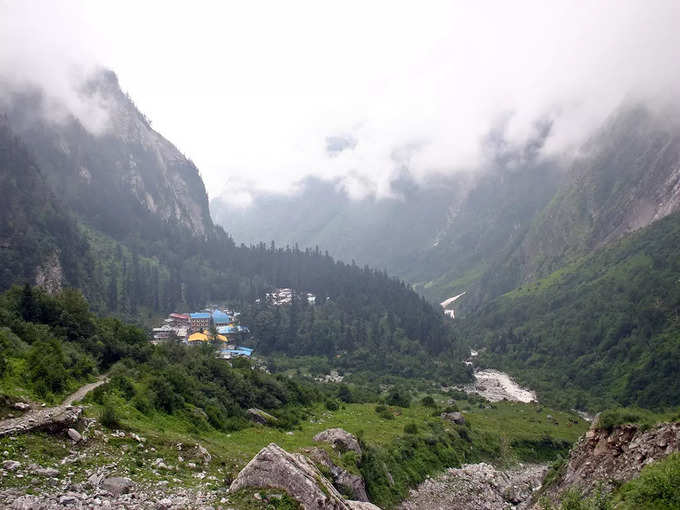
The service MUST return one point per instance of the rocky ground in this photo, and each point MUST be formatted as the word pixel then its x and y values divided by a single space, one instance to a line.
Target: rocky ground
pixel 605 459
pixel 495 385
pixel 477 487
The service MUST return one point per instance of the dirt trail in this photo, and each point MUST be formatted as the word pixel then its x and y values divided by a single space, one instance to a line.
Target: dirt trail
pixel 50 417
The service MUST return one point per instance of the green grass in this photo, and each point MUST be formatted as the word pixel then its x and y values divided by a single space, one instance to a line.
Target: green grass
pixel 502 433
pixel 644 418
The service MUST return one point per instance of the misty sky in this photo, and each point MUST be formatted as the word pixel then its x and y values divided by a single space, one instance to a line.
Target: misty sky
pixel 251 91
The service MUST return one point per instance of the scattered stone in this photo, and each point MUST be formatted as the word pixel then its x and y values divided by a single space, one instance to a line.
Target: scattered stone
pixel 477 487
pixel 339 439
pixel 137 438
pixel 11 465
pixel 203 453
pixel 22 406
pixel 68 499
pixel 95 480
pixel 117 485
pixel 455 417
pixel 164 504
pixel 74 435
pixel 47 472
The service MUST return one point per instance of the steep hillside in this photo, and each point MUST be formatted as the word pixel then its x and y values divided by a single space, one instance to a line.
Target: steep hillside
pixel 385 233
pixel 144 243
pixel 442 234
pixel 39 240
pixel 603 329
pixel 123 178
pixel 625 177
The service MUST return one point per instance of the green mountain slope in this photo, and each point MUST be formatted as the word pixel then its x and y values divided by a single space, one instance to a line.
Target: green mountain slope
pixel 150 247
pixel 39 240
pixel 602 330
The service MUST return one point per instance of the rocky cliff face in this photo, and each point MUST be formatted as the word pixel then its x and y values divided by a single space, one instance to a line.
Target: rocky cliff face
pixel 607 459
pixel 122 163
pixel 626 177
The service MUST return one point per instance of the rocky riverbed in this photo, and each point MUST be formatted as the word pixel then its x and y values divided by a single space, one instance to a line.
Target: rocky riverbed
pixel 495 385
pixel 477 487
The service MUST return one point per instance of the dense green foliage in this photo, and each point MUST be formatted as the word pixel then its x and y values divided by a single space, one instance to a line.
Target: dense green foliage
pixel 135 264
pixel 655 489
pixel 54 343
pixel 35 230
pixel 357 333
pixel 601 331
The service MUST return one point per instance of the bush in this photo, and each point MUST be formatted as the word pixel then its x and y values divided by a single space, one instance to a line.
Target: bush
pixel 411 428
pixel 109 415
pixel 612 418
pixel 428 401
pixel 46 367
pixel 398 398
pixel 345 394
pixel 332 405
pixel 656 487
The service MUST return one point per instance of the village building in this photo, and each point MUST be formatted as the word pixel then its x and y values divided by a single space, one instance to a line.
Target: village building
pixel 199 321
pixel 220 318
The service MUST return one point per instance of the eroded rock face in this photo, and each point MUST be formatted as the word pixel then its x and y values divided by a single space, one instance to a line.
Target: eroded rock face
pixel 455 417
pixel 346 482
pixel 607 459
pixel 275 468
pixel 477 487
pixel 261 417
pixel 339 439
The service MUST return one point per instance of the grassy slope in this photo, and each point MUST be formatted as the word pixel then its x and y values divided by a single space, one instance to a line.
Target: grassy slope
pixel 494 433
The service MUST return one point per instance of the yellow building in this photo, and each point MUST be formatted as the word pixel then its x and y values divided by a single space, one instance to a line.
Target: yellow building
pixel 198 337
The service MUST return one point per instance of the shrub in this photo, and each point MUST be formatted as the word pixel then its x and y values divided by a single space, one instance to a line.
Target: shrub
pixel 656 487
pixel 428 401
pixel 46 367
pixel 612 418
pixel 109 415
pixel 411 428
pixel 332 405
pixel 398 398
pixel 345 394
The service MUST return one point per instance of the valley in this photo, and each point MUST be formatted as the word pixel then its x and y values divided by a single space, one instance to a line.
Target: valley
pixel 371 294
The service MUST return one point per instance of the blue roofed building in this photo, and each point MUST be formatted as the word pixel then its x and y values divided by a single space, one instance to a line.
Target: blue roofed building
pixel 220 318
pixel 199 321
pixel 238 352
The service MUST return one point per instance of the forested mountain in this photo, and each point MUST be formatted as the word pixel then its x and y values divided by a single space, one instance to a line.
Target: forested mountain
pixel 386 233
pixel 519 216
pixel 602 330
pixel 441 234
pixel 131 229
pixel 39 240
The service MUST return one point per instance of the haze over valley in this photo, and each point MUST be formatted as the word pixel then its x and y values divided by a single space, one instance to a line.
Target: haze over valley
pixel 306 256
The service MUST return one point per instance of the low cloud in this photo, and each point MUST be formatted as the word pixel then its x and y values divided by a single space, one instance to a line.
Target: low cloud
pixel 262 96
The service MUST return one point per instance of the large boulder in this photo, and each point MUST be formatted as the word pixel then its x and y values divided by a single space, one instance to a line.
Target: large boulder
pixel 362 505
pixel 274 468
pixel 454 417
pixel 261 417
pixel 346 482
pixel 117 485
pixel 340 439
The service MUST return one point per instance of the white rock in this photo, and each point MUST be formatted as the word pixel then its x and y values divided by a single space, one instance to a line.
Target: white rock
pixel 11 465
pixel 74 435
